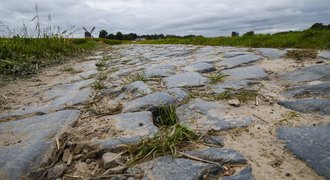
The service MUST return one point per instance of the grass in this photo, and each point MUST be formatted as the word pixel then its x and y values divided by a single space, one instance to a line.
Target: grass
pixel 217 77
pixel 98 85
pixel 243 95
pixel 171 138
pixel 308 39
pixel 138 76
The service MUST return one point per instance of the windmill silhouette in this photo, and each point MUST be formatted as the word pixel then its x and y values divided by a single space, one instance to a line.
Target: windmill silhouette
pixel 89 34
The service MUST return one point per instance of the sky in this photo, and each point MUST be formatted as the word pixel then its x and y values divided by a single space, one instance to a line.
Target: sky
pixel 181 17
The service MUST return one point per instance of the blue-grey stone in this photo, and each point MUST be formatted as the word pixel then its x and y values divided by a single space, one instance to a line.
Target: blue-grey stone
pixel 324 54
pixel 320 106
pixel 27 143
pixel 160 71
pixel 214 140
pixel 239 60
pixel 234 54
pixel 138 88
pixel 310 144
pixel 204 116
pixel 271 53
pixel 245 174
pixel 219 155
pixel 134 124
pixel 57 98
pixel 201 67
pixel 311 73
pixel 169 168
pixel 234 85
pixel 187 79
pixel 318 90
pixel 149 102
pixel 83 76
pixel 250 72
pixel 178 94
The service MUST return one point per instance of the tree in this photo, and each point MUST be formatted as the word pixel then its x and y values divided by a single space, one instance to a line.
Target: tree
pixel 103 34
pixel 234 34
pixel 250 33
pixel 119 36
pixel 111 36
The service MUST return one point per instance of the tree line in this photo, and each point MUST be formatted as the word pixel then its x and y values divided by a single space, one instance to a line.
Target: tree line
pixel 134 36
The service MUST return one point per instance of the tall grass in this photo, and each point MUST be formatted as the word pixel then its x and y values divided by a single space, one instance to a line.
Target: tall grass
pixel 24 51
pixel 310 39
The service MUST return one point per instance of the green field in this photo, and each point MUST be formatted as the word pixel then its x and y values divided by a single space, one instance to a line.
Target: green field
pixel 308 39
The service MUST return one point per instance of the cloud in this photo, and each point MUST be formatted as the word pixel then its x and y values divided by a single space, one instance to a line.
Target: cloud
pixel 207 17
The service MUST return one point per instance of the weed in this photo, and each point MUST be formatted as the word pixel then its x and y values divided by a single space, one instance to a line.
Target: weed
pixel 134 77
pixel 217 77
pixel 113 70
pixel 242 95
pixel 71 70
pixel 98 85
pixel 292 115
pixel 165 116
pixel 171 138
pixel 101 109
pixel 142 93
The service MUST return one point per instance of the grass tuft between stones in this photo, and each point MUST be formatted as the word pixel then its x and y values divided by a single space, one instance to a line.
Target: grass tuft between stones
pixel 171 138
pixel 243 95
pixel 217 77
pixel 138 76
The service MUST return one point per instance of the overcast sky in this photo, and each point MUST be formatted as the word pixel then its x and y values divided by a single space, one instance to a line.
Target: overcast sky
pixel 204 17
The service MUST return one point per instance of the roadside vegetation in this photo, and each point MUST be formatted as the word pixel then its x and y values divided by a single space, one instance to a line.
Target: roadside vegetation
pixel 308 39
pixel 25 51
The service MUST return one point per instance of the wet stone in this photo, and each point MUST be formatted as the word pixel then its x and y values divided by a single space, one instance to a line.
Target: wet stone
pixel 310 73
pixel 150 102
pixel 201 67
pixel 249 72
pixel 310 144
pixel 320 106
pixel 324 54
pixel 245 174
pixel 160 71
pixel 188 79
pixel 219 155
pixel 169 168
pixel 26 143
pixel 271 53
pixel 239 60
pixel 204 116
